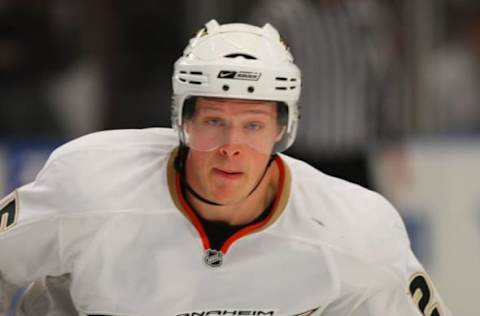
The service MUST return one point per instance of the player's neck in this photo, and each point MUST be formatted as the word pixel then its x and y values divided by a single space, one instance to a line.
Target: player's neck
pixel 246 210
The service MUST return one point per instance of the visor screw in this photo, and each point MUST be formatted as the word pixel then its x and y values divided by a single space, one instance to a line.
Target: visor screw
pixel 225 87
pixel 251 89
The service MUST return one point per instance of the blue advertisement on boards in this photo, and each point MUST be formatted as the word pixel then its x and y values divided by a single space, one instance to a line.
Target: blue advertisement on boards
pixel 20 161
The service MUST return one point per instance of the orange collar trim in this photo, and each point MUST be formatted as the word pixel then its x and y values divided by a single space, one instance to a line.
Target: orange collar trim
pixel 279 203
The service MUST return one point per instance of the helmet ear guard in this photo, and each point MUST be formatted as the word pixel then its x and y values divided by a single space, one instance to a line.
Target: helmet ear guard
pixel 238 61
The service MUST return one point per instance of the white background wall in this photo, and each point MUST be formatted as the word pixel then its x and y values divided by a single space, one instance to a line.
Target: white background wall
pixel 435 186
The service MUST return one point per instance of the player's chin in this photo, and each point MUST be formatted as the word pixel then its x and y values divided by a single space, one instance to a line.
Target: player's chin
pixel 230 196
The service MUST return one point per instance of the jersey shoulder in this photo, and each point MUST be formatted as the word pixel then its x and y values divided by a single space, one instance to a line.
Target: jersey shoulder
pixel 124 139
pixel 95 175
pixel 348 218
pixel 106 170
pixel 111 146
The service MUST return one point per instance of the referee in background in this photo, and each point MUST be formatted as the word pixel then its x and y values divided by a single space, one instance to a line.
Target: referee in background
pixel 344 49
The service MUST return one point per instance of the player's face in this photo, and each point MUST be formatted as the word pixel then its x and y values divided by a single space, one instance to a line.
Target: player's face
pixel 248 129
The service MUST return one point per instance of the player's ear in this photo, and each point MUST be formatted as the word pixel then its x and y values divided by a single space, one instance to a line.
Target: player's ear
pixel 281 132
pixel 187 125
pixel 282 120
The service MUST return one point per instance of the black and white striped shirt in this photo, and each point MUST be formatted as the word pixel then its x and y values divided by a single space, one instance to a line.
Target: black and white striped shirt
pixel 338 50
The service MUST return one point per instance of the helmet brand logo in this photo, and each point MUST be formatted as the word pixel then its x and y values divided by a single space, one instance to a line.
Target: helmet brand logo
pixel 239 75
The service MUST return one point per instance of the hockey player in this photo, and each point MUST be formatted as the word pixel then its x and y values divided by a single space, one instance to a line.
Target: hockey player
pixel 208 218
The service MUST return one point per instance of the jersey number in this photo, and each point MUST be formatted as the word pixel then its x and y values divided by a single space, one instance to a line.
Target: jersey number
pixel 421 293
pixel 8 213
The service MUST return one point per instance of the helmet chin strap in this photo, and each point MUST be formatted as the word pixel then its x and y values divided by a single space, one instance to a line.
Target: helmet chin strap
pixel 180 161
pixel 198 196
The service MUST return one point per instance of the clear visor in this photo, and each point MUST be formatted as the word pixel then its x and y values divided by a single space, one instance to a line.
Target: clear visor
pixel 210 128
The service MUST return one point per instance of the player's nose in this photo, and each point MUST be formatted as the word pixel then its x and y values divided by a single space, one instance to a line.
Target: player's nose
pixel 230 150
pixel 233 140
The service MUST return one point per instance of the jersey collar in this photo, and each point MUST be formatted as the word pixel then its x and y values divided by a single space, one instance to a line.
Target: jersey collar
pixel 279 203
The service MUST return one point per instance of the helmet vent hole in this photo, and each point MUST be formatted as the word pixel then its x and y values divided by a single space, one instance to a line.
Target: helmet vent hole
pixel 225 87
pixel 195 82
pixel 280 88
pixel 196 73
pixel 281 79
pixel 250 89
pixel 246 56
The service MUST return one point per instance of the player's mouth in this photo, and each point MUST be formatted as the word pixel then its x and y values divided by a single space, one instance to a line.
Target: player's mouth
pixel 227 174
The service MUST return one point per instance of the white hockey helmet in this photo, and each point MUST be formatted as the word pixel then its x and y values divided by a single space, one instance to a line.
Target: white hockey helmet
pixel 238 61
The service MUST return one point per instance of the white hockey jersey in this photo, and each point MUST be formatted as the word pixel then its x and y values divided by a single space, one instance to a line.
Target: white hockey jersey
pixel 106 221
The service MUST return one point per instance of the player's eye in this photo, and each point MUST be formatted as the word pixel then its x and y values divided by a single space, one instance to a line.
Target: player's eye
pixel 214 122
pixel 254 126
